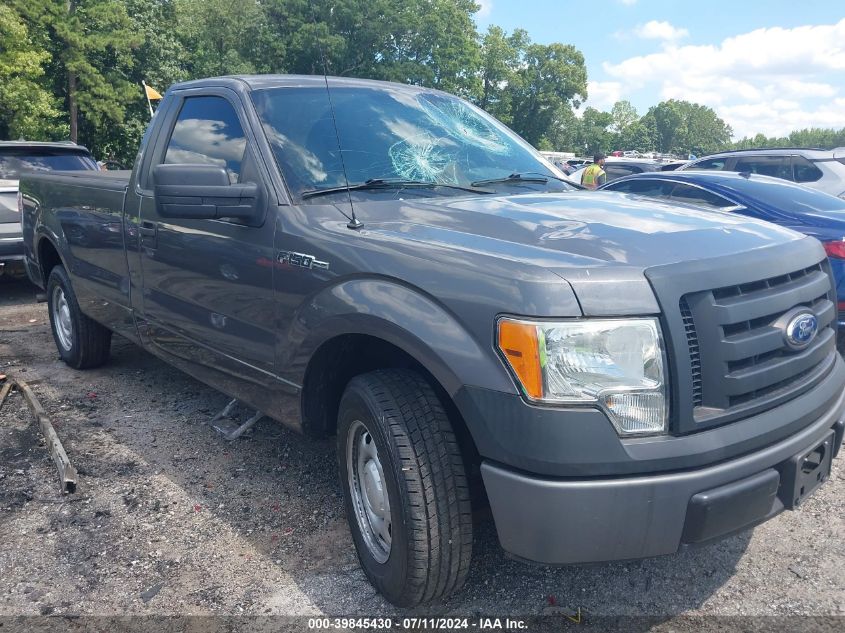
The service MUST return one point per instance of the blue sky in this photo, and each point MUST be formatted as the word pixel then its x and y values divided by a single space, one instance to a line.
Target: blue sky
pixel 764 66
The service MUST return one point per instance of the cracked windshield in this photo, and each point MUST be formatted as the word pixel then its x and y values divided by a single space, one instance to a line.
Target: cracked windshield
pixel 426 142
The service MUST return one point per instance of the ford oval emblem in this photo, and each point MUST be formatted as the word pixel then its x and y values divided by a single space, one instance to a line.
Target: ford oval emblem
pixel 801 330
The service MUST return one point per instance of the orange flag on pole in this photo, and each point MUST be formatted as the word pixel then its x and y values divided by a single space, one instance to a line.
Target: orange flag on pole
pixel 151 94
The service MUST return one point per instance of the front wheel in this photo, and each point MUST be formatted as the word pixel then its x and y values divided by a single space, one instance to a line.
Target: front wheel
pixel 81 341
pixel 405 487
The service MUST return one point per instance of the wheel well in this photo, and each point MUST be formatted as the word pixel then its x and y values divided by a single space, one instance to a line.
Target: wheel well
pixel 342 358
pixel 48 257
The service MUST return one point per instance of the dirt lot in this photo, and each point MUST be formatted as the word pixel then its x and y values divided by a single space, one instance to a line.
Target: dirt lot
pixel 170 518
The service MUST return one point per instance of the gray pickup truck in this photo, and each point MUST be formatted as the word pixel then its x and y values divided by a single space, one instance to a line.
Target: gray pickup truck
pixel 615 378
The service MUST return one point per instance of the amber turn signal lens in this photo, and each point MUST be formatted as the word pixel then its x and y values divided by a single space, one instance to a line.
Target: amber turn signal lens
pixel 518 342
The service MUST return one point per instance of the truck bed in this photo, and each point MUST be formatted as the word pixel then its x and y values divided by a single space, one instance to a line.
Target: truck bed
pixel 105 180
pixel 85 209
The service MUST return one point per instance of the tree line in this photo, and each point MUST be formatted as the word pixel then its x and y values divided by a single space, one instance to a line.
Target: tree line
pixel 73 68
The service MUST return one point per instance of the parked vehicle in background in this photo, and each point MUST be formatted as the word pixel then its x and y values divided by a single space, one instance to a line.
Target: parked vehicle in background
pixel 618 168
pixel 349 258
pixel 17 157
pixel 672 166
pixel 559 160
pixel 794 206
pixel 577 163
pixel 815 168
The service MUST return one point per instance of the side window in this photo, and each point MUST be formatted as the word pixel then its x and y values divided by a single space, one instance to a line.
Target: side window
pixel 617 171
pixel 207 131
pixel 643 187
pixel 711 163
pixel 694 195
pixel 805 171
pixel 775 166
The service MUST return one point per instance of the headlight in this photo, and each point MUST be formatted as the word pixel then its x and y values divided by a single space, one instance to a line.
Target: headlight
pixel 616 364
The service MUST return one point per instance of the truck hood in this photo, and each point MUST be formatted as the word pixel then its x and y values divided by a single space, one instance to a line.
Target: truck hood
pixel 600 242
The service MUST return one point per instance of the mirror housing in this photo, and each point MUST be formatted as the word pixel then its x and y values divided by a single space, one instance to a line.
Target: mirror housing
pixel 203 192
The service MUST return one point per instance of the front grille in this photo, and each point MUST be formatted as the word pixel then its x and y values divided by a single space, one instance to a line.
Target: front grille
pixel 737 350
pixel 694 352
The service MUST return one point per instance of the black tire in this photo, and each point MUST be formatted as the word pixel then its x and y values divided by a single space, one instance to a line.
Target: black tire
pixel 424 475
pixel 87 343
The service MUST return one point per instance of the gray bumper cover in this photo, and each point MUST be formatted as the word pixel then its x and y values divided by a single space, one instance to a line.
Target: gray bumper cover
pixel 561 521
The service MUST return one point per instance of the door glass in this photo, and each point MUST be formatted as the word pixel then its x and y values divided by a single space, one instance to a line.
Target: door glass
pixel 775 166
pixel 617 171
pixel 694 195
pixel 208 132
pixel 643 187
pixel 805 171
pixel 712 163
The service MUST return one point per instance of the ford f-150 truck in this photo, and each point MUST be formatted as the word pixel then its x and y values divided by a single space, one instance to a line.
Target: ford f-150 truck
pixel 614 377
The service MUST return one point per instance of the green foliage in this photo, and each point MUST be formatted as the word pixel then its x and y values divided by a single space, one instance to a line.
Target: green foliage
pixel 531 87
pixel 27 108
pixel 810 137
pixel 622 115
pixel 500 58
pixel 675 127
pixel 159 60
pixel 682 127
pixel 549 79
pixel 592 132
pixel 223 36
pixel 91 46
pixel 423 42
pixel 640 135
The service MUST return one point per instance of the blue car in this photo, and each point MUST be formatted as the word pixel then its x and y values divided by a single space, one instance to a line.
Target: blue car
pixel 772 199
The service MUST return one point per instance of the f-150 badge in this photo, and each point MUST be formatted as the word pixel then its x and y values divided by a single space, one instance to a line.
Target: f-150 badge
pixel 301 260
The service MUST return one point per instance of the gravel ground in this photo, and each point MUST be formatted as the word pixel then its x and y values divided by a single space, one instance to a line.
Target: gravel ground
pixel 171 519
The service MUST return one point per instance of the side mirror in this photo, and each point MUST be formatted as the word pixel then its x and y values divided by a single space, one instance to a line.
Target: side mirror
pixel 202 192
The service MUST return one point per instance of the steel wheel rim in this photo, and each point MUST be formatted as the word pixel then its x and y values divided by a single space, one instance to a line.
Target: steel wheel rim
pixel 367 486
pixel 62 323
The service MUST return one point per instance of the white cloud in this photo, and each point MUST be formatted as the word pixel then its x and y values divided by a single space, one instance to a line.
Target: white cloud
pixel 628 2
pixel 485 7
pixel 660 30
pixel 779 117
pixel 774 52
pixel 603 94
pixel 772 80
pixel 798 88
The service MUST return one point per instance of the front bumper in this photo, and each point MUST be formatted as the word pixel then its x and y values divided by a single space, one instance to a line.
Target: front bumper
pixel 578 520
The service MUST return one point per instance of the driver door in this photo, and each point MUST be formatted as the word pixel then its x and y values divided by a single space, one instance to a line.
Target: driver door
pixel 208 301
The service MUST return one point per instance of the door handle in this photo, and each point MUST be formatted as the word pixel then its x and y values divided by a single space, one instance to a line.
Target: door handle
pixel 148 229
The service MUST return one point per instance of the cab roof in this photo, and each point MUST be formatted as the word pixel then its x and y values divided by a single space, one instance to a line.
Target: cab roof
pixel 261 82
pixel 68 145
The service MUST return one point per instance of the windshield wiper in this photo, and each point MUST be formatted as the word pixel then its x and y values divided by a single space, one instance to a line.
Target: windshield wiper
pixel 524 176
pixel 388 183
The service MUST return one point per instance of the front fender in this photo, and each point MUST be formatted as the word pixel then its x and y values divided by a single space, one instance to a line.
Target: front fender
pixel 401 315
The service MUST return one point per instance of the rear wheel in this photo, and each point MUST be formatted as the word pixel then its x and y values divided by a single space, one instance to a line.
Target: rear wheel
pixel 81 341
pixel 406 493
